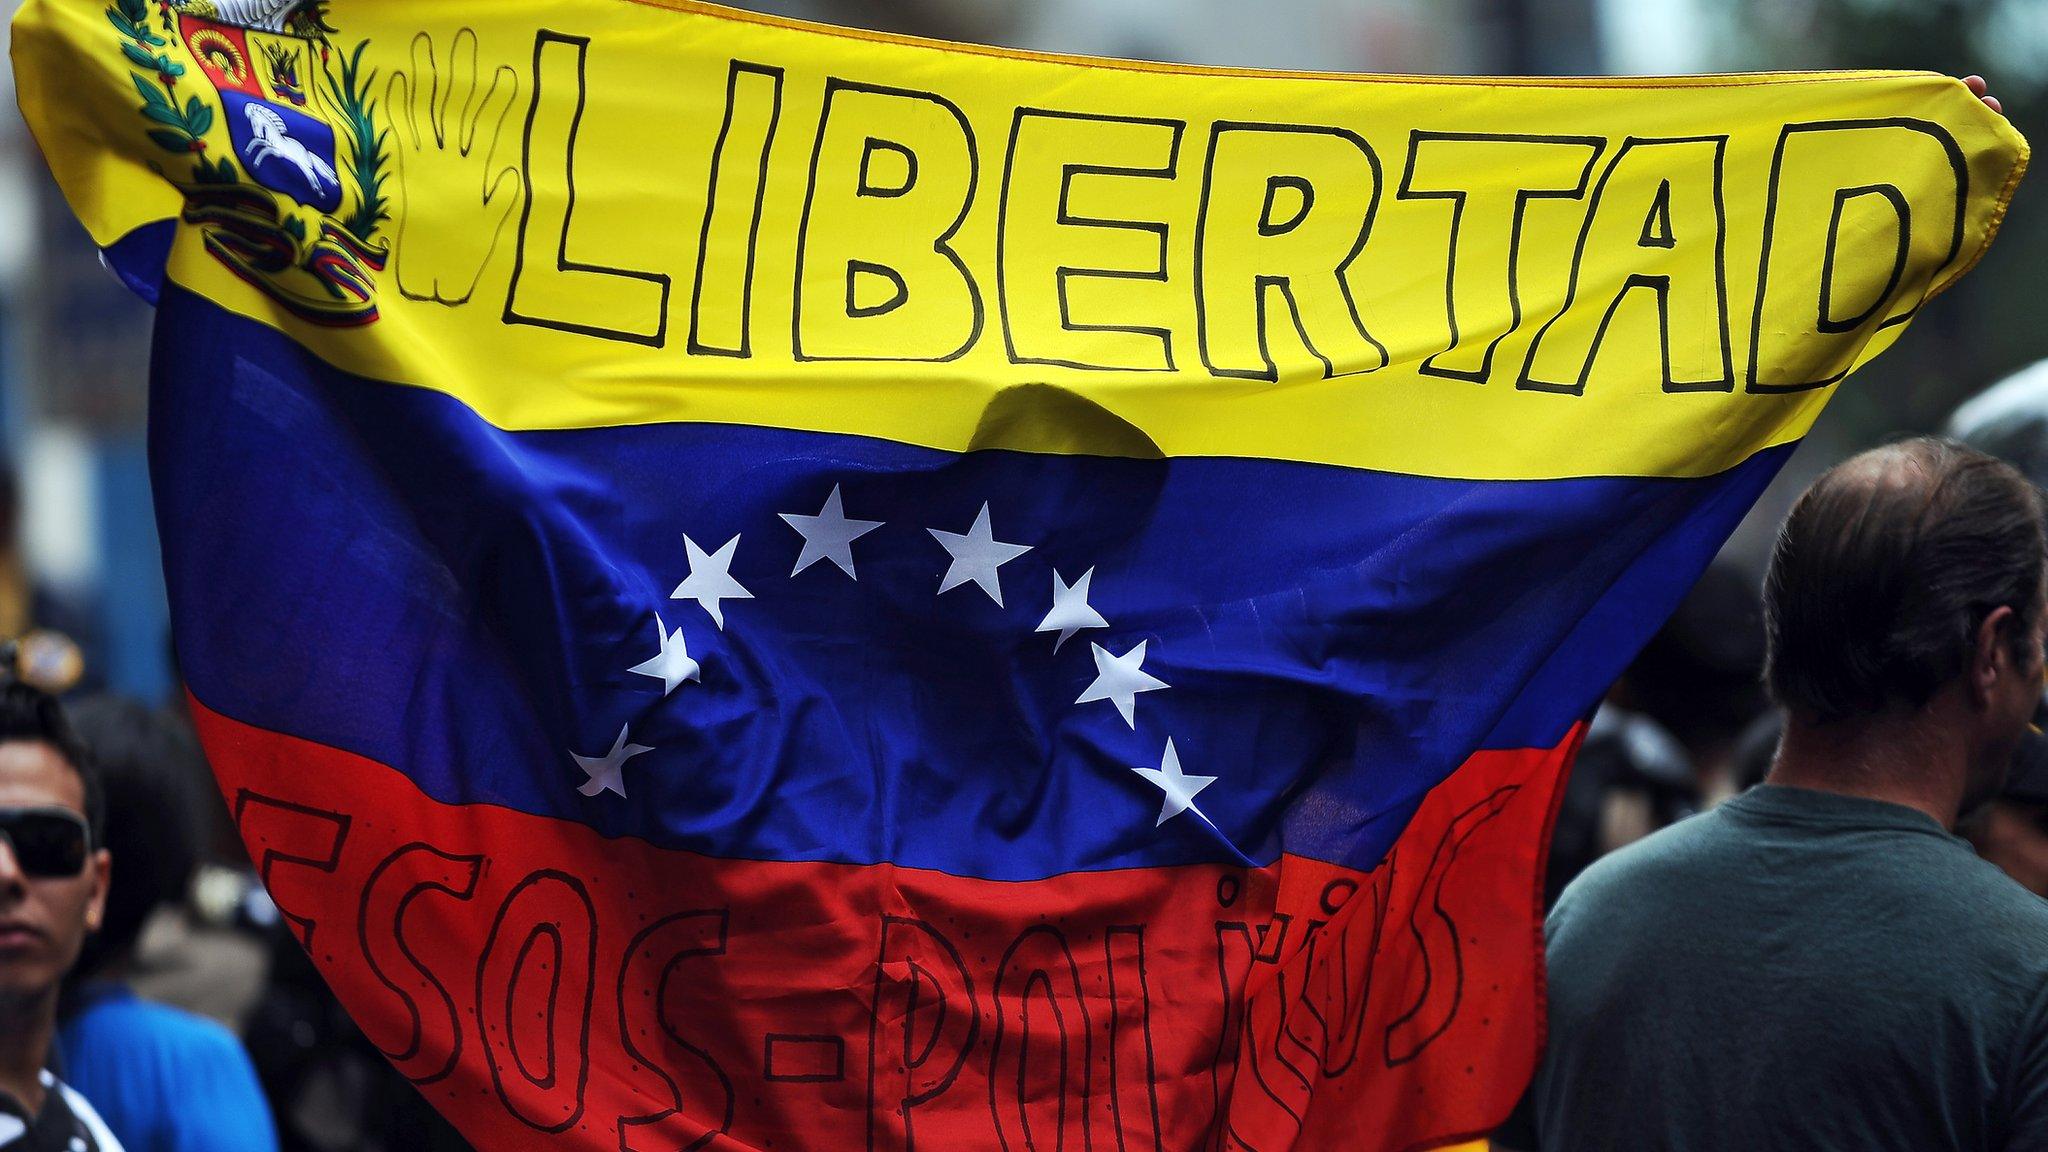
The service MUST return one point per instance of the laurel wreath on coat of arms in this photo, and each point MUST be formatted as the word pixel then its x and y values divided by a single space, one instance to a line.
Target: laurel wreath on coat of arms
pixel 295 204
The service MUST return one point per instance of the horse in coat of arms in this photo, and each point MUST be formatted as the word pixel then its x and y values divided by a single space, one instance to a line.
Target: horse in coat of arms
pixel 295 205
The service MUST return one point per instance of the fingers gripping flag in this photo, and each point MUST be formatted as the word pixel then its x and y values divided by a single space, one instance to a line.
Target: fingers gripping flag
pixel 751 586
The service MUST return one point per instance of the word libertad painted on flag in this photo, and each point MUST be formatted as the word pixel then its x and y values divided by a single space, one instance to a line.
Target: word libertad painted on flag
pixel 1088 207
pixel 773 207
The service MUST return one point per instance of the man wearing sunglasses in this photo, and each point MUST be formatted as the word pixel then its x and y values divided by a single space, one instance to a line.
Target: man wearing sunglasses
pixel 53 891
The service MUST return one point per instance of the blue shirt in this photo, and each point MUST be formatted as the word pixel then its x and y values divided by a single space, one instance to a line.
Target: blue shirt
pixel 164 1080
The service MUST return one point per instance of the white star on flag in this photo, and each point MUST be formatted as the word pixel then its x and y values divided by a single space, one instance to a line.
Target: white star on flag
pixel 976 556
pixel 672 665
pixel 710 579
pixel 1071 611
pixel 829 535
pixel 604 770
pixel 1119 679
pixel 1180 788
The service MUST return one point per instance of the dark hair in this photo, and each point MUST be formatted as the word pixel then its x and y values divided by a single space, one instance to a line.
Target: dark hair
pixel 1701 676
pixel 150 768
pixel 29 713
pixel 1886 569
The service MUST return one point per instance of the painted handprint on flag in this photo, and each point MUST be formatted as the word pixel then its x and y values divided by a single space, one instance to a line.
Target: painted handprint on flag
pixel 448 126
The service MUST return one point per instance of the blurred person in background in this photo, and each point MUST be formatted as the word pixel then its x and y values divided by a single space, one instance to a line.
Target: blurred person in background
pixel 164 1079
pixel 334 1091
pixel 1701 676
pixel 1819 963
pixel 1631 778
pixel 2012 830
pixel 47 637
pixel 1662 746
pixel 205 947
pixel 53 891
pixel 2010 421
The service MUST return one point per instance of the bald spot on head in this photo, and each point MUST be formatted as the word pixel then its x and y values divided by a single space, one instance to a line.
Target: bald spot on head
pixel 1902 467
pixel 1886 567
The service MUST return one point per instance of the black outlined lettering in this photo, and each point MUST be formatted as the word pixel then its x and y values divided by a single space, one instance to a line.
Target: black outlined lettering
pixel 433 1043
pixel 1435 934
pixel 1657 221
pixel 1234 957
pixel 738 189
pixel 1302 195
pixel 859 272
pixel 1258 1108
pixel 570 295
pixel 1901 223
pixel 545 937
pixel 1056 163
pixel 1341 998
pixel 1299 257
pixel 921 1027
pixel 903 161
pixel 1302 1025
pixel 1665 246
pixel 1805 270
pixel 864 223
pixel 1482 287
pixel 1133 1072
pixel 279 832
pixel 695 1115
pixel 1039 1099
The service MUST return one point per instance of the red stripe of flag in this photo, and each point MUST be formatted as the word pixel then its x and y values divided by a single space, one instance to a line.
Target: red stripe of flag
pixel 535 977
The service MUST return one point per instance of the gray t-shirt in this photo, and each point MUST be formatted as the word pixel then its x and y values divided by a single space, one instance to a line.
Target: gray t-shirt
pixel 1796 970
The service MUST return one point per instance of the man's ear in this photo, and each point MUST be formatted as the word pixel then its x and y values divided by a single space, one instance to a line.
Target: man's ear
pixel 102 868
pixel 1991 654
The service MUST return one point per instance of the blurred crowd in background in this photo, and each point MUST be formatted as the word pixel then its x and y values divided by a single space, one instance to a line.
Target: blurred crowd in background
pixel 1687 726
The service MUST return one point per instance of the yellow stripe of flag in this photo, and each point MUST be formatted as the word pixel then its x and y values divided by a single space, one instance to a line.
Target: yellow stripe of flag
pixel 639 213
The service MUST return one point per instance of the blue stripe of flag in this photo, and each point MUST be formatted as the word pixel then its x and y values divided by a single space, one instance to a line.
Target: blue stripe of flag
pixel 375 568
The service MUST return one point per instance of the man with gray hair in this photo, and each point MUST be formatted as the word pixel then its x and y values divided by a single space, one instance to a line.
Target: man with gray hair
pixel 1820 963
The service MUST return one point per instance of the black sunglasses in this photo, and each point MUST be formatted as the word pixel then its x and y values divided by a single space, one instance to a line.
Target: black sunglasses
pixel 48 843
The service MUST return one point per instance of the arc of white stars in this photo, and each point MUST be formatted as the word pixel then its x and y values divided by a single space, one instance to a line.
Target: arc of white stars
pixel 977 554
pixel 710 579
pixel 1071 611
pixel 672 665
pixel 829 535
pixel 1119 680
pixel 604 771
pixel 1180 788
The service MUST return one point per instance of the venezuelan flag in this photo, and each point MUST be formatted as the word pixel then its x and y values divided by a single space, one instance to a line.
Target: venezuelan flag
pixel 753 587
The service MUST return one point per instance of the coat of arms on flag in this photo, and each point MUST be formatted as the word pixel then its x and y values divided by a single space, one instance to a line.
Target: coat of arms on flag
pixel 294 202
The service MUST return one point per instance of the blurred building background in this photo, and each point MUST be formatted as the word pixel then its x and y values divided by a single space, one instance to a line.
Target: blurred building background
pixel 73 344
